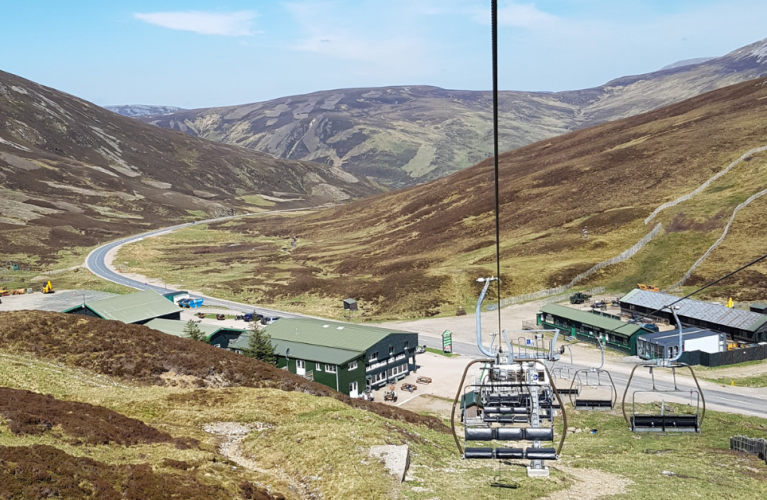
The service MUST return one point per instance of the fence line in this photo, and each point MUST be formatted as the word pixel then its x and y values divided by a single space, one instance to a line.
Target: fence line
pixel 564 288
pixel 751 446
pixel 717 242
pixel 703 186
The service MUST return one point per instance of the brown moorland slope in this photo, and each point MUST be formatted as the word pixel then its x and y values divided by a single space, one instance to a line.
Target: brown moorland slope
pixel 417 251
pixel 412 134
pixel 73 173
pixel 31 413
pixel 146 356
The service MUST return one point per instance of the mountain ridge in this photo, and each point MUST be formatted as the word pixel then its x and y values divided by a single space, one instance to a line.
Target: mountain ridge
pixel 405 135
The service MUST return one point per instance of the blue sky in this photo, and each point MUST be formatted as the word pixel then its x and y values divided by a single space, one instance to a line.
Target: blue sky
pixel 196 53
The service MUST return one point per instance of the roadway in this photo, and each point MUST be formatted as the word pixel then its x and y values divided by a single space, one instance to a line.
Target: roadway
pixel 96 263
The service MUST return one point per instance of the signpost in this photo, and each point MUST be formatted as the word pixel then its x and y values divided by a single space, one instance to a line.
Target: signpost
pixel 447 341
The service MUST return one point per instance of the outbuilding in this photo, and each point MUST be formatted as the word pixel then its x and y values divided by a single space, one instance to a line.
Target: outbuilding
pixel 350 304
pixel 349 358
pixel 744 326
pixel 137 308
pixel 217 336
pixel 589 326
pixel 660 345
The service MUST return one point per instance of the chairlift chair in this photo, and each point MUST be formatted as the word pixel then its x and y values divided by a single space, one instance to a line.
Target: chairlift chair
pixel 517 396
pixel 669 419
pixel 593 388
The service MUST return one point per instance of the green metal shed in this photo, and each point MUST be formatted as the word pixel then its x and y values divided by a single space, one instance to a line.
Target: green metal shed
pixel 585 325
pixel 138 308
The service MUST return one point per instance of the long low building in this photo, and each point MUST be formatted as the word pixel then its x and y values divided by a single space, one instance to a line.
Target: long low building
pixel 585 325
pixel 740 325
pixel 346 357
pixel 138 308
pixel 215 335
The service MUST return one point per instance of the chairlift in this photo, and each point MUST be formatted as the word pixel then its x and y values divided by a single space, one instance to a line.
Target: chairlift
pixel 593 388
pixel 675 417
pixel 517 397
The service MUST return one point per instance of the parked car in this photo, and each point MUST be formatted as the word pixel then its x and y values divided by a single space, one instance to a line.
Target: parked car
pixel 268 320
pixel 420 349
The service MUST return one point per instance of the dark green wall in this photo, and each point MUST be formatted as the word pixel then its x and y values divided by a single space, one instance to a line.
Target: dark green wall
pixel 345 376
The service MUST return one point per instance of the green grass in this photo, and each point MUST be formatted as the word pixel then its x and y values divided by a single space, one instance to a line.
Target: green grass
pixel 440 352
pixel 257 200
pixel 756 381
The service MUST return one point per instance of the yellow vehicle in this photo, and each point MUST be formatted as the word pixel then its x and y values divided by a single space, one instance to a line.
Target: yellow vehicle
pixel 731 345
pixel 48 288
pixel 649 288
pixel 3 291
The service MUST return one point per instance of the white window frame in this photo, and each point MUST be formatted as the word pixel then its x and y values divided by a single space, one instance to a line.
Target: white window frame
pixel 391 350
pixel 300 363
pixel 318 367
pixel 331 368
pixel 352 365
pixel 374 356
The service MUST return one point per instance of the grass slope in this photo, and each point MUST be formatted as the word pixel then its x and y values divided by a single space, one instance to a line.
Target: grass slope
pixel 317 446
pixel 417 252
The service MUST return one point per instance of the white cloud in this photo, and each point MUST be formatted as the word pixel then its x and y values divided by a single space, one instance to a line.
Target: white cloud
pixel 204 23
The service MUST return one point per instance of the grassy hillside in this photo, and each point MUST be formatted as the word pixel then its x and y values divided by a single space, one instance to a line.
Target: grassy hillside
pixel 401 136
pixel 88 430
pixel 73 174
pixel 417 252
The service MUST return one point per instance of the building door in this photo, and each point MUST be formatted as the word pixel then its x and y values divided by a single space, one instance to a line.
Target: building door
pixel 353 390
pixel 300 367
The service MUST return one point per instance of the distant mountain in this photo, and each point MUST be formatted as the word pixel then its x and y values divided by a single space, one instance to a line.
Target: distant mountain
pixel 73 174
pixel 402 136
pixel 687 62
pixel 133 110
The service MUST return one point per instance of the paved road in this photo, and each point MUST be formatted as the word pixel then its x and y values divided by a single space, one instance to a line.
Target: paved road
pixel 96 263
pixel 738 403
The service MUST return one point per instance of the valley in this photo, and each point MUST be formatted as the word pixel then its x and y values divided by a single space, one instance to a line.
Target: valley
pixel 276 300
pixel 416 252
pixel 73 174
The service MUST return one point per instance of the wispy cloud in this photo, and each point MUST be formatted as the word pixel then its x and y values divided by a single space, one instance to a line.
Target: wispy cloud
pixel 205 23
pixel 389 48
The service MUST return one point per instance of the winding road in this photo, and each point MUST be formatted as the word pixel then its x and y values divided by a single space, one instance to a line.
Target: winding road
pixel 735 400
pixel 96 263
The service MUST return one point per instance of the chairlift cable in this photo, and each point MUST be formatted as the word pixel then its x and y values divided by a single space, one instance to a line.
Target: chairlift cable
pixel 494 22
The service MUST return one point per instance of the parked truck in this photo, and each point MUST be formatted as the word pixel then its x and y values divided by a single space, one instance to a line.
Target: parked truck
pixel 579 298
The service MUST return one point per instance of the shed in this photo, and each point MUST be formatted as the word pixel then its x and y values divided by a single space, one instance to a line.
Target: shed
pixel 758 308
pixel 586 325
pixel 138 308
pixel 217 336
pixel 661 345
pixel 350 304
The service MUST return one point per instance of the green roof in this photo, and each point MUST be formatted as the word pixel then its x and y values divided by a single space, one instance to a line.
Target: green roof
pixel 134 307
pixel 347 336
pixel 612 325
pixel 306 352
pixel 176 327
